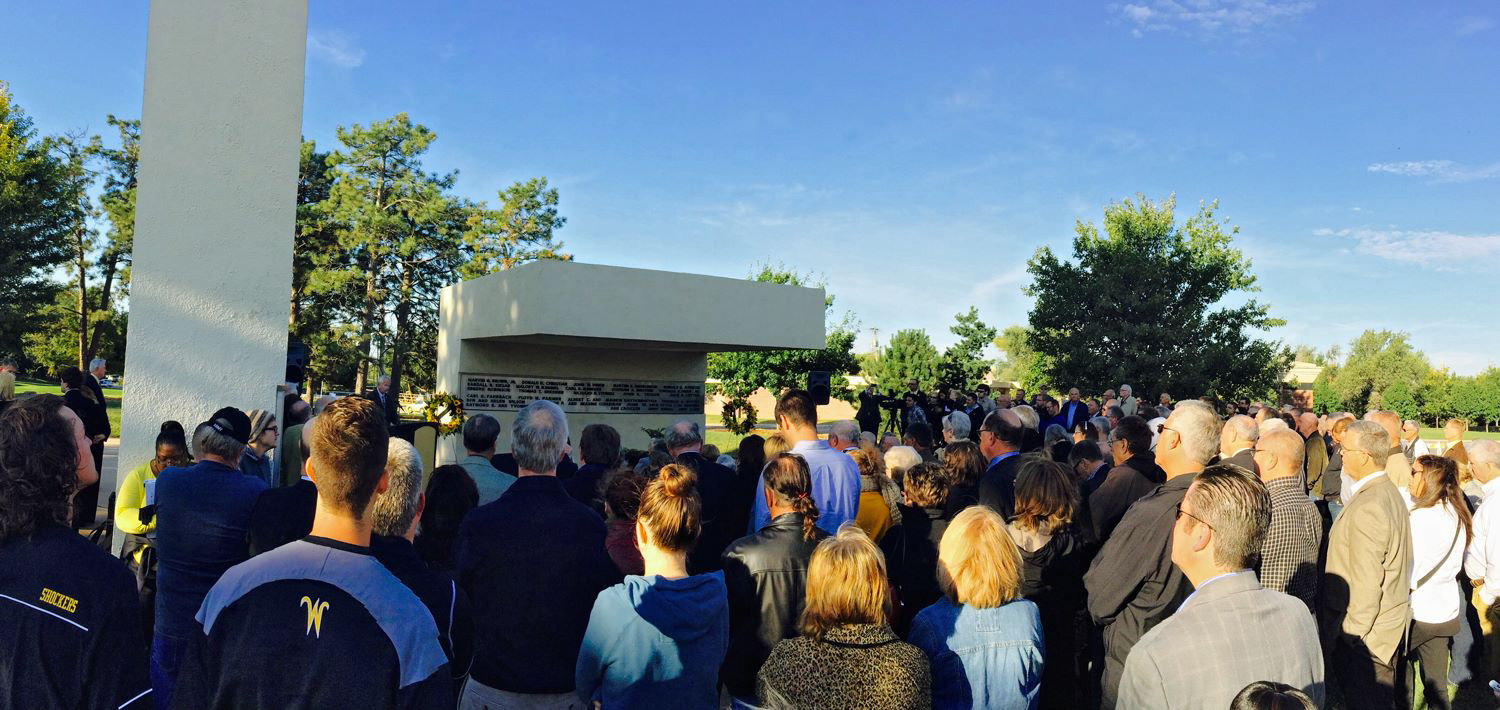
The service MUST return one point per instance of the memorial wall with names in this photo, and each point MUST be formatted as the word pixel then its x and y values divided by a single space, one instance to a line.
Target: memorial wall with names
pixel 488 392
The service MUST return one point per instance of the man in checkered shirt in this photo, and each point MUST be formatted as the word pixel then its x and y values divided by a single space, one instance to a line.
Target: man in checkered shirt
pixel 1289 556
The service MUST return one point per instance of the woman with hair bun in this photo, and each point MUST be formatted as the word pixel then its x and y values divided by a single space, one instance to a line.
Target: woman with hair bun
pixel 766 574
pixel 657 640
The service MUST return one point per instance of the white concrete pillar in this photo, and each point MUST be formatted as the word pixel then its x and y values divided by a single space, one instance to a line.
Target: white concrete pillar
pixel 220 133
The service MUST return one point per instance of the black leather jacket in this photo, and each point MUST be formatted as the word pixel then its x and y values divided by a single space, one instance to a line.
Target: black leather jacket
pixel 766 574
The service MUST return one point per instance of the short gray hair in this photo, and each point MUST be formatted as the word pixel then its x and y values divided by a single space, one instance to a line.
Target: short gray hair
pixel 683 433
pixel 538 435
pixel 1241 428
pixel 208 440
pixel 382 378
pixel 96 363
pixel 1371 438
pixel 899 459
pixel 958 423
pixel 868 438
pixel 1029 417
pixel 391 512
pixel 1127 388
pixel 1235 505
pixel 1485 451
pixel 847 430
pixel 1198 425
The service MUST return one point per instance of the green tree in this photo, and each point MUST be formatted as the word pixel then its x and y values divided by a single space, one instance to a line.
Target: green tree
pixel 1399 399
pixel 1159 328
pixel 740 374
pixel 522 230
pixel 379 192
pixel 1325 399
pixel 963 364
pixel 909 355
pixel 1018 362
pixel 1377 359
pixel 36 219
pixel 1436 395
pixel 117 201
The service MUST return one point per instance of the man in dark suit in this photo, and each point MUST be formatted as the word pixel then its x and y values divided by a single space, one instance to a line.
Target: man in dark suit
pixel 383 397
pixel 1000 442
pixel 1074 412
pixel 1237 442
pixel 685 444
pixel 284 514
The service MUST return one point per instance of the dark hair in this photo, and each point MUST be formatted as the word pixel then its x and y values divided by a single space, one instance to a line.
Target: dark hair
pixel 1011 434
pixel 73 378
pixel 599 444
pixel 1268 695
pixel 289 411
pixel 173 425
pixel 450 495
pixel 349 446
pixel 622 492
pixel 169 437
pixel 671 509
pixel 1135 432
pixel 788 478
pixel 38 465
pixel 480 432
pixel 964 462
pixel 1440 485
pixel 752 456
pixel 1046 494
pixel 798 408
pixel 1086 450
pixel 920 433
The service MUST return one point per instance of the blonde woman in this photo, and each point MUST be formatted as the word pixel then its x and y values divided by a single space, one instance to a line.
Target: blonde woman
pixel 879 497
pixel 847 655
pixel 983 639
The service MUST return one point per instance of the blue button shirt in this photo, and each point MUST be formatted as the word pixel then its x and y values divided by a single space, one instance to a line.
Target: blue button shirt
pixel 1003 457
pixel 835 486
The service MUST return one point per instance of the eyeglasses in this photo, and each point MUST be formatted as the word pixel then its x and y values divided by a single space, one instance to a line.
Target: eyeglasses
pixel 1181 512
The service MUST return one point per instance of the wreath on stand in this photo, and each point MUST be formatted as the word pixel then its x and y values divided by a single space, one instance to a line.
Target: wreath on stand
pixel 446 411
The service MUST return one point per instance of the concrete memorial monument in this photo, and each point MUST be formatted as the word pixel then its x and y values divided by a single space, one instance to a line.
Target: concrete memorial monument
pixel 623 347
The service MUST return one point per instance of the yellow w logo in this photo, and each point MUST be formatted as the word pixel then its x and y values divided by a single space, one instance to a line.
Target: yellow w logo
pixel 315 611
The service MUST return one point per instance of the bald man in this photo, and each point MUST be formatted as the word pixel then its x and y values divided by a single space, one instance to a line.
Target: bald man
pixel 1289 554
pixel 1237 442
pixel 1397 466
pixel 1314 452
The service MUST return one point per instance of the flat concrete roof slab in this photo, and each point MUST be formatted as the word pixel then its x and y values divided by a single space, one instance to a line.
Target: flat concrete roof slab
pixel 592 305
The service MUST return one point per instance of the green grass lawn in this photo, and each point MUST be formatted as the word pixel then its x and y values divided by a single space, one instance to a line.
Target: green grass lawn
pixel 111 399
pixel 1430 434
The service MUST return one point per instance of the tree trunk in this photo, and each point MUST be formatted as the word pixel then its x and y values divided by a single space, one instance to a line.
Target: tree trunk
pixel 403 317
pixel 366 332
pixel 111 265
pixel 83 301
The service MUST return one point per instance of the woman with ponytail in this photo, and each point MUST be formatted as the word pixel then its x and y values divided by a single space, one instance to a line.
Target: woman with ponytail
pixel 766 574
pixel 657 640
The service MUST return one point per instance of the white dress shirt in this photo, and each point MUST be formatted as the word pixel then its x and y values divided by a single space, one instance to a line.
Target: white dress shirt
pixel 1433 544
pixel 1483 558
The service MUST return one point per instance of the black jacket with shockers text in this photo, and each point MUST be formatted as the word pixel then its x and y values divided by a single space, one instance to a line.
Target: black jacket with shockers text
pixel 71 634
pixel 766 577
pixel 314 623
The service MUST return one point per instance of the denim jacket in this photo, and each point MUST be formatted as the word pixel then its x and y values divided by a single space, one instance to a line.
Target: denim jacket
pixel 982 658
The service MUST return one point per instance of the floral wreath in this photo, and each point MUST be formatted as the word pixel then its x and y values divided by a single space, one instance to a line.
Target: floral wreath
pixel 446 411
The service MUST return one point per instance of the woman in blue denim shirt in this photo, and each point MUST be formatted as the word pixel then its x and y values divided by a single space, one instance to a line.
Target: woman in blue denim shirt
pixel 984 642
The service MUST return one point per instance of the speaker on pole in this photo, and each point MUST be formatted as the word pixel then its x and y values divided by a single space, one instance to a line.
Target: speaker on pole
pixel 819 386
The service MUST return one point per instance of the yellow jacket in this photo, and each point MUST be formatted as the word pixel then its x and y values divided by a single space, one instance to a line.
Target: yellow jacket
pixel 128 502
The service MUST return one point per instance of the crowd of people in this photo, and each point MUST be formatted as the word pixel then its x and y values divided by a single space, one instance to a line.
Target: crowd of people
pixel 983 552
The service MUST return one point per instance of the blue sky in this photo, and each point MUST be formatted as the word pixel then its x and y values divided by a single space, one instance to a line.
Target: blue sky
pixel 916 154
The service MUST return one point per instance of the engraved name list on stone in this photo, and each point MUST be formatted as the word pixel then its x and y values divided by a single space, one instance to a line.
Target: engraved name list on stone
pixel 512 392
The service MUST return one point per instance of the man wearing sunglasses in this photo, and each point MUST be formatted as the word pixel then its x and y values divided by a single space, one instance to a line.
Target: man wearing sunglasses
pixel 1132 583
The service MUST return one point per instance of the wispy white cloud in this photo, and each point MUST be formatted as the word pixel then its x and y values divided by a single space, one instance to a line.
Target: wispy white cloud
pixel 1438 170
pixel 1444 251
pixel 1209 17
pixel 335 47
pixel 1474 25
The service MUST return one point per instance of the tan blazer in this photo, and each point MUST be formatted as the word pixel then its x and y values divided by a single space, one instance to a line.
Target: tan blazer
pixel 1366 595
